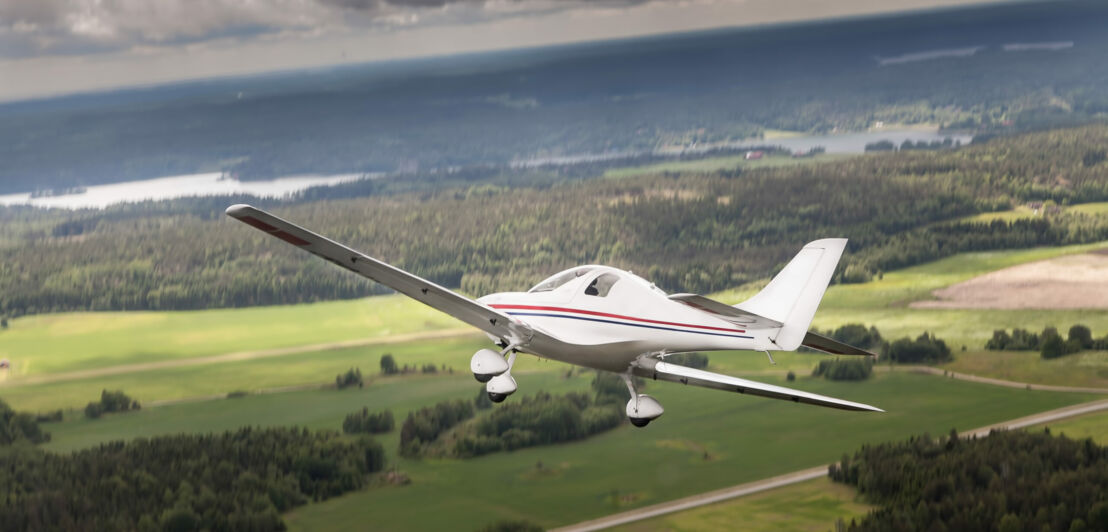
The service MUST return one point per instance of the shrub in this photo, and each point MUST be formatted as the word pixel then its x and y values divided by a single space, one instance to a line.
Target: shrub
pixel 853 369
pixel 924 349
pixel 353 376
pixel 110 402
pixel 364 422
pixel 388 364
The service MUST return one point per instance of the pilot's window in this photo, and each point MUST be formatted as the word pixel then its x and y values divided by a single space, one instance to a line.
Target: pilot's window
pixel 601 285
pixel 560 279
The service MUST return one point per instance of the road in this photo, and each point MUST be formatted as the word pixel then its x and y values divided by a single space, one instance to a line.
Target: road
pixel 233 357
pixel 795 477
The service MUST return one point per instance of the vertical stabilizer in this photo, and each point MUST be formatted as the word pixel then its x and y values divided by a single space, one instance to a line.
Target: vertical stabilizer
pixel 793 296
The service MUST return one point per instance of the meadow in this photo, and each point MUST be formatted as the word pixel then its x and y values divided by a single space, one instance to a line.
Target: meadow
pixel 50 343
pixel 812 506
pixel 706 440
pixel 1093 426
pixel 43 345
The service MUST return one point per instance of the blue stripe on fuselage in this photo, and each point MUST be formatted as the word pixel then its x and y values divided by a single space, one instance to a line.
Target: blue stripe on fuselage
pixel 627 324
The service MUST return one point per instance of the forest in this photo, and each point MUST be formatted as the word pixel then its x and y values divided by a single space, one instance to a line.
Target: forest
pixel 236 480
pixel 694 231
pixel 1006 481
pixel 630 95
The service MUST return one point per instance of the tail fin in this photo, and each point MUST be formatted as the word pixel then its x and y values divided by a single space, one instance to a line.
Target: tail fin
pixel 793 296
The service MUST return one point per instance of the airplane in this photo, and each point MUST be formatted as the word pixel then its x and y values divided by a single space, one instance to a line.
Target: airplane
pixel 612 320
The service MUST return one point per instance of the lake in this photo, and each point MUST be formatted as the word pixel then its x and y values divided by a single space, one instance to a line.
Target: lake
pixel 164 188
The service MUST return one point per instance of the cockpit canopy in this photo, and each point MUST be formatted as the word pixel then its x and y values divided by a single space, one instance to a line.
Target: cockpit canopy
pixel 557 280
pixel 605 278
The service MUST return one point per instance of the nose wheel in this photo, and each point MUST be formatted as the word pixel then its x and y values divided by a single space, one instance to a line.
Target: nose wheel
pixel 642 408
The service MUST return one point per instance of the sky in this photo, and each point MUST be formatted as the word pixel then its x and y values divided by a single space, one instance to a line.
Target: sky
pixel 54 47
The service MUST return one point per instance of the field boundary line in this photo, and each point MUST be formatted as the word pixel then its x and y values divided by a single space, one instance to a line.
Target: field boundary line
pixel 237 356
pixel 994 381
pixel 804 475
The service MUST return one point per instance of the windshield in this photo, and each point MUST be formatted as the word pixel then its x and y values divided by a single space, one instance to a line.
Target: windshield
pixel 560 279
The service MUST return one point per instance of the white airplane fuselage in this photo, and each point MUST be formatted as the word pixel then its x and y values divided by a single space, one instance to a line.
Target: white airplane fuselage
pixel 608 328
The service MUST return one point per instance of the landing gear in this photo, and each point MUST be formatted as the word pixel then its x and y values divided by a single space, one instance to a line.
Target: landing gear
pixel 502 385
pixel 487 364
pixel 642 408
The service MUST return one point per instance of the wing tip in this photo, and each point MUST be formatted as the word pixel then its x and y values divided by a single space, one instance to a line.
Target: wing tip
pixel 239 209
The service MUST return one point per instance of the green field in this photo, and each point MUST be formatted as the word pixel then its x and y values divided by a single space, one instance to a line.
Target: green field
pixel 52 343
pixel 317 368
pixel 706 441
pixel 40 345
pixel 812 506
pixel 1093 426
pixel 745 439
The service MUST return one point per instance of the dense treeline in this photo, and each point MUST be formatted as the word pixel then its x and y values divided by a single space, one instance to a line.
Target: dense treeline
pixel 447 430
pixel 1007 481
pixel 925 349
pixel 239 480
pixel 422 427
pixel 20 426
pixel 1049 342
pixel 538 419
pixel 690 232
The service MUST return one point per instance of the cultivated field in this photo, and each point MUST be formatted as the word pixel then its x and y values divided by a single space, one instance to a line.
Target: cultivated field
pixel 1069 282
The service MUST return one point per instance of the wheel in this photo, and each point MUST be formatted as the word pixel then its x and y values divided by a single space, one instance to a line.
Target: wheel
pixel 639 421
pixel 497 397
pixel 482 378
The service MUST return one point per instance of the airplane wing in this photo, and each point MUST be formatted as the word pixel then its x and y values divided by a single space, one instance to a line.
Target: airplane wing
pixel 415 287
pixel 658 370
pixel 832 346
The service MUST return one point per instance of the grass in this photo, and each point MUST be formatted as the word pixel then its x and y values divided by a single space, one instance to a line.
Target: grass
pixel 66 342
pixel 815 506
pixel 747 438
pixel 1093 426
pixel 712 164
pixel 1084 369
pixel 250 375
pixel 52 343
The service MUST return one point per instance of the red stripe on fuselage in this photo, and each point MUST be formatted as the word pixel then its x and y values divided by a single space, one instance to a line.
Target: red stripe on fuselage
pixel 607 315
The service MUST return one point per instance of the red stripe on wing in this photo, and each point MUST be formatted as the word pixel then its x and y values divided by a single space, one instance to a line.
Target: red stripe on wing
pixel 290 238
pixel 250 220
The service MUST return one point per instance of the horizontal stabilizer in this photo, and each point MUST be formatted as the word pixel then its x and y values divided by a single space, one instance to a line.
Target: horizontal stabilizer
pixel 726 312
pixel 658 370
pixel 832 346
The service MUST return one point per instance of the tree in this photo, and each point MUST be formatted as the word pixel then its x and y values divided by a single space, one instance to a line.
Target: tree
pixel 352 377
pixel 388 364
pixel 1082 335
pixel 1053 347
